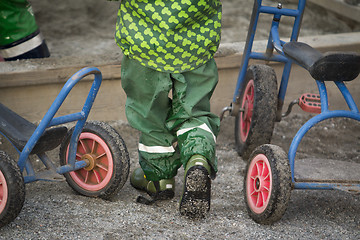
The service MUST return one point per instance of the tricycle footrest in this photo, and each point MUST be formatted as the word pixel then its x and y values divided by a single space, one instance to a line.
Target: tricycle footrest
pixel 349 189
pixel 310 102
pixel 45 175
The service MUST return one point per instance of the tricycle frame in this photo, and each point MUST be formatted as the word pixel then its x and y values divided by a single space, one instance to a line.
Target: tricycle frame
pixel 275 43
pixel 49 121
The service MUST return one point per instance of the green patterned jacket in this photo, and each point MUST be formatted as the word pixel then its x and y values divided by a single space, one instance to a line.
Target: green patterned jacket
pixel 169 35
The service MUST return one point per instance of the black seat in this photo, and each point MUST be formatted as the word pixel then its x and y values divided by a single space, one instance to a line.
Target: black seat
pixel 19 130
pixel 331 66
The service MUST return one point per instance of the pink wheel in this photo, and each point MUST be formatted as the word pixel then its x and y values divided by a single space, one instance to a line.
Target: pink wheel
pixel 259 183
pixel 12 189
pixel 99 171
pixel 254 124
pixel 3 192
pixel 248 106
pixel 267 184
pixel 108 161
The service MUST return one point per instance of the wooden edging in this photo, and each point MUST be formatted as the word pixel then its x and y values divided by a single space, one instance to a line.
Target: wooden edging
pixel 53 75
pixel 340 7
pixel 228 56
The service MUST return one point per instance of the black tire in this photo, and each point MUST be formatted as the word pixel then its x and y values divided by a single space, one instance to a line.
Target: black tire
pixel 12 189
pixel 109 158
pixel 255 125
pixel 267 184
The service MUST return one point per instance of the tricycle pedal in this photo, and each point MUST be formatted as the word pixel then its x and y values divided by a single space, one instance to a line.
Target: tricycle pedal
pixel 310 102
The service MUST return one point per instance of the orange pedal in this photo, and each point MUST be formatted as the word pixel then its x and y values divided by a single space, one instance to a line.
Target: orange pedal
pixel 310 102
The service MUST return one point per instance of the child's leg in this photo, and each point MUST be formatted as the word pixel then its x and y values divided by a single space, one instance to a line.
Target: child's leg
pixel 197 129
pixel 196 126
pixel 147 108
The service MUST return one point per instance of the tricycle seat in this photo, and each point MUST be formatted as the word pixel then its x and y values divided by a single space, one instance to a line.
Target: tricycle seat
pixel 19 130
pixel 330 66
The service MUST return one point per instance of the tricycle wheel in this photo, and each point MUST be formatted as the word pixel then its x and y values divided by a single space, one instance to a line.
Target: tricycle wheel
pixel 254 125
pixel 267 184
pixel 108 158
pixel 12 189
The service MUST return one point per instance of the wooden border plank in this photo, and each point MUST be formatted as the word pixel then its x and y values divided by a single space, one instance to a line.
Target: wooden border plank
pixel 229 56
pixel 340 7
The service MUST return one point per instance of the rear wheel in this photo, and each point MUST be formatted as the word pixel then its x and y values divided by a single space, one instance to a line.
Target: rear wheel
pixel 109 163
pixel 12 189
pixel 255 124
pixel 267 184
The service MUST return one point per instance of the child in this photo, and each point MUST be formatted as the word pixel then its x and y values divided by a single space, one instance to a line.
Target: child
pixel 169 75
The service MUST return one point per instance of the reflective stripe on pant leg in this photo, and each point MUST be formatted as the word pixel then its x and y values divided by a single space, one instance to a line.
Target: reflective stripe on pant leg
pixel 202 126
pixel 147 108
pixel 196 126
pixel 197 140
pixel 23 47
pixel 156 149
pixel 159 162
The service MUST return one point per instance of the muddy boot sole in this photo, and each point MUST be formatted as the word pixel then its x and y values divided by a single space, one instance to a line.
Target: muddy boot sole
pixel 195 202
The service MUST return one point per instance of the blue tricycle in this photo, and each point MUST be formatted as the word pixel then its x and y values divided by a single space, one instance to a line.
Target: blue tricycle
pixel 258 103
pixel 93 157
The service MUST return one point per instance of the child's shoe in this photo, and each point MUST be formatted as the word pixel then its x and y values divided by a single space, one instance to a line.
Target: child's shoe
pixel 195 201
pixel 158 190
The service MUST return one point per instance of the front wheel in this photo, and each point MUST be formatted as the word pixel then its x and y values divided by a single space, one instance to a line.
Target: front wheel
pixel 12 189
pixel 267 184
pixel 108 158
pixel 254 124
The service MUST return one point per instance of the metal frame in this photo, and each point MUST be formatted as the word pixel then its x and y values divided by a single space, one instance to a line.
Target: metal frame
pixel 49 121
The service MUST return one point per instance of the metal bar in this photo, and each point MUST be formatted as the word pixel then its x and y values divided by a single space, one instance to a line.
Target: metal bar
pixel 275 37
pixel 68 118
pixel 248 48
pixel 57 104
pixel 323 186
pixel 323 96
pixel 29 179
pixel 347 96
pixel 283 88
pixel 282 11
pixel 29 171
pixel 273 58
pixel 46 161
pixel 308 125
pixel 68 168
pixel 298 20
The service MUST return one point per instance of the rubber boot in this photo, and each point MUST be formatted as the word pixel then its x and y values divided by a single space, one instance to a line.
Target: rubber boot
pixel 158 190
pixel 195 200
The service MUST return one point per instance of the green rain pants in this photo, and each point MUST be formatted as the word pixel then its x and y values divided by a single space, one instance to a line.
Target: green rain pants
pixel 16 21
pixel 172 112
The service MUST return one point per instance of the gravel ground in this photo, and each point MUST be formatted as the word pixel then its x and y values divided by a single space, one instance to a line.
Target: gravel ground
pixel 52 210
